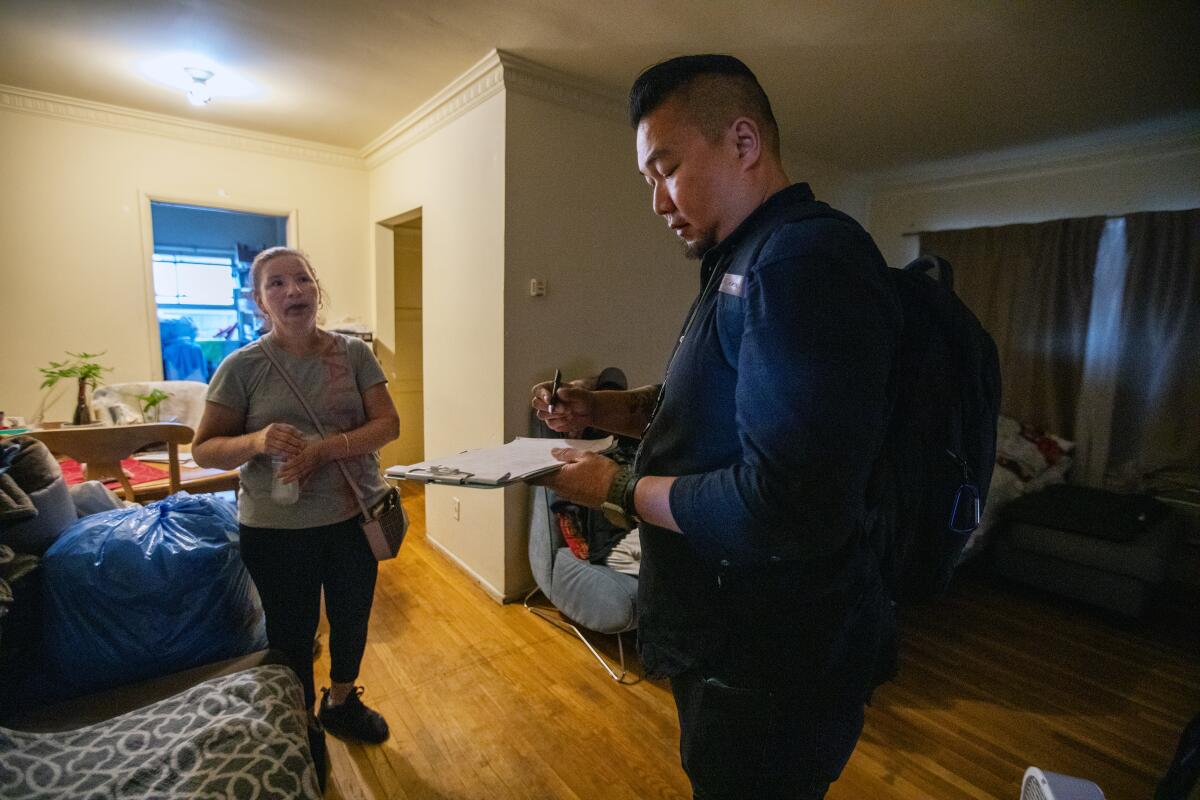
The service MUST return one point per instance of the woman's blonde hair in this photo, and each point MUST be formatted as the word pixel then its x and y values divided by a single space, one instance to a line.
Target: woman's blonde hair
pixel 258 266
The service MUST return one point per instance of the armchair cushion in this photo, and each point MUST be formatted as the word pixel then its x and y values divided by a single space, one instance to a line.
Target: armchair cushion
pixel 595 596
pixel 592 595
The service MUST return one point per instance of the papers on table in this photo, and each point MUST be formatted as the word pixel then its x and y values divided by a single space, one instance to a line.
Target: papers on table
pixel 161 457
pixel 490 467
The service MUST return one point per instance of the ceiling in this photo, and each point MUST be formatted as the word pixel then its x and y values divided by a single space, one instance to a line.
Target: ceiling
pixel 863 86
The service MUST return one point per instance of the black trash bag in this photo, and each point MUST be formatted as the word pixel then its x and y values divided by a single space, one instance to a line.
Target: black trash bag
pixel 139 592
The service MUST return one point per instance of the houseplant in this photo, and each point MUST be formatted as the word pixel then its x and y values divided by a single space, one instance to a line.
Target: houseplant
pixel 150 403
pixel 86 371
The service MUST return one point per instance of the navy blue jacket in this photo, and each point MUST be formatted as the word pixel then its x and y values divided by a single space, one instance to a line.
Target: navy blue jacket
pixel 773 410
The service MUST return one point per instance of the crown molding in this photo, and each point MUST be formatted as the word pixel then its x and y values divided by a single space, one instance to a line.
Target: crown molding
pixel 13 98
pixel 498 70
pixel 1161 138
pixel 534 80
pixel 484 79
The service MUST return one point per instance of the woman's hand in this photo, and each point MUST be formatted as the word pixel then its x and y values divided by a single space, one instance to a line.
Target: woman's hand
pixel 574 407
pixel 303 463
pixel 280 439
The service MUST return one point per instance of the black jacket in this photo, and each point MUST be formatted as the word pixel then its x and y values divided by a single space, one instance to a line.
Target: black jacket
pixel 773 410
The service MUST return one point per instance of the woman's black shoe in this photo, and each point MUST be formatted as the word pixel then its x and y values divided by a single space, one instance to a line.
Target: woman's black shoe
pixel 350 719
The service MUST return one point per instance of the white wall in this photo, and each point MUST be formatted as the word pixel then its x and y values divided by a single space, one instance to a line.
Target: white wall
pixel 455 177
pixel 578 216
pixel 1146 173
pixel 74 264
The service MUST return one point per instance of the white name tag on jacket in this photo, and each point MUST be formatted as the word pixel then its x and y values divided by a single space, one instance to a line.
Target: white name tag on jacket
pixel 734 285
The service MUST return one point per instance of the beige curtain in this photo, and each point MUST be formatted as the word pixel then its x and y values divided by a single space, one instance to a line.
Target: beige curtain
pixel 1155 439
pixel 1031 287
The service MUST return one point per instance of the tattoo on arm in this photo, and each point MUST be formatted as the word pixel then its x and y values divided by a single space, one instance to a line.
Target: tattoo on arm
pixel 641 402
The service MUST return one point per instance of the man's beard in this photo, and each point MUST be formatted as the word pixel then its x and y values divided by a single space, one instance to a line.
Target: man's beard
pixel 697 249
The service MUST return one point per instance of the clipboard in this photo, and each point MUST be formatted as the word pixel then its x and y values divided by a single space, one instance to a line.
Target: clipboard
pixel 494 467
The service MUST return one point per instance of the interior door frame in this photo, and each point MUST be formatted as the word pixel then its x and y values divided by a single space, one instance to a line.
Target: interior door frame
pixel 385 283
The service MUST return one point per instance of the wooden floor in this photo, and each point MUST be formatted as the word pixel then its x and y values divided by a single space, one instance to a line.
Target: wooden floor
pixel 488 701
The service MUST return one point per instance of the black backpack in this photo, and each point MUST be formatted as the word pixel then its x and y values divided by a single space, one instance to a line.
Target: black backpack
pixel 931 481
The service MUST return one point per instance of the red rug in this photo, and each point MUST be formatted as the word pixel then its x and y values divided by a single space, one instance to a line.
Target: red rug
pixel 135 470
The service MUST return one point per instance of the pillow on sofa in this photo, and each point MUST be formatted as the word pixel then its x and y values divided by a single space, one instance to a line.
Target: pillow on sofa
pixel 1027 451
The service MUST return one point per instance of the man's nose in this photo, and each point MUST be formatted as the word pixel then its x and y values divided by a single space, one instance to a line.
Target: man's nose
pixel 661 200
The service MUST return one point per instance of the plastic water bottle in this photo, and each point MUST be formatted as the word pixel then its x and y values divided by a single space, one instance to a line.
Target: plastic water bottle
pixel 283 493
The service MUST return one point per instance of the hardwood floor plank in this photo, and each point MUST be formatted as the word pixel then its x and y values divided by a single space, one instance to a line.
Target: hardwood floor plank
pixel 488 701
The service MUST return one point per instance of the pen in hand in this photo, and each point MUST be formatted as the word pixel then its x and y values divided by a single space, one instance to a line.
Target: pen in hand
pixel 554 387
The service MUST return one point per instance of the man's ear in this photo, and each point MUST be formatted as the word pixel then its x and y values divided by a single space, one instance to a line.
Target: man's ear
pixel 748 141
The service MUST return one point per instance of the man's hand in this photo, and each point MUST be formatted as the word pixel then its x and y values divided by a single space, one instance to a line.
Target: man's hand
pixel 585 478
pixel 574 407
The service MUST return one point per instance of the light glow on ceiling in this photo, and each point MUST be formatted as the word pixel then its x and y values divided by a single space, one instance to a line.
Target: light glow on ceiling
pixel 179 71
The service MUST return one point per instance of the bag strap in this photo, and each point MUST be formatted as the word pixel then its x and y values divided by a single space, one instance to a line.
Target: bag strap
pixel 316 422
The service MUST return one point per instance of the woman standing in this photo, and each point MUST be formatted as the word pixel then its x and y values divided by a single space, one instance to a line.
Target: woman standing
pixel 295 546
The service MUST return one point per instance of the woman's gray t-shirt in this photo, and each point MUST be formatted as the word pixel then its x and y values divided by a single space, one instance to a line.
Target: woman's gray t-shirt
pixel 333 383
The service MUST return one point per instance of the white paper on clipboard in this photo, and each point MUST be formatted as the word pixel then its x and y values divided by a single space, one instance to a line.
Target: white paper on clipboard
pixel 486 467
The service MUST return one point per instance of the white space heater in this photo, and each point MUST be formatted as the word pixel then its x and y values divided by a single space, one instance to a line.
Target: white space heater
pixel 1040 785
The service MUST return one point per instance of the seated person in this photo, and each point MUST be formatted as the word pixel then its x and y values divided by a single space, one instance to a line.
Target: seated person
pixel 183 360
pixel 588 533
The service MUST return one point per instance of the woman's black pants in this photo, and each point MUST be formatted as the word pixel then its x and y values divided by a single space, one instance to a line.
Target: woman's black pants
pixel 290 568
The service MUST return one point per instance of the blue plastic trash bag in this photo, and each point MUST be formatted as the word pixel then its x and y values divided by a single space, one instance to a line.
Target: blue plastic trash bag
pixel 139 592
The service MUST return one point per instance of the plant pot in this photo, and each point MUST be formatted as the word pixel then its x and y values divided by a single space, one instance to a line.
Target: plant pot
pixel 83 406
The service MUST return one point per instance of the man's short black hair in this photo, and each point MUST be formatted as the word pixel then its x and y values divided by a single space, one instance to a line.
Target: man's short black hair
pixel 713 89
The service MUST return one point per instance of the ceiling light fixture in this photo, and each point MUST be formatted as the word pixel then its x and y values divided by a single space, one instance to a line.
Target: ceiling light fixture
pixel 198 76
pixel 198 93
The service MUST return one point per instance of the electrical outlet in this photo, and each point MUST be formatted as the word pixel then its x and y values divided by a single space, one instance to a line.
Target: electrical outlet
pixel 537 287
pixel 455 507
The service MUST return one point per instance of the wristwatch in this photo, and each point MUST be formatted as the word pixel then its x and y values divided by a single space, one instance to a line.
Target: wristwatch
pixel 618 506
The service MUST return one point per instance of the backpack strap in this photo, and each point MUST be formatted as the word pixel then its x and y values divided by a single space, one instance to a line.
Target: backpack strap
pixel 927 263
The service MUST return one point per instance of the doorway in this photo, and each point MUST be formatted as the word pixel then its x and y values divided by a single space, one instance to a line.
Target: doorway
pixel 407 367
pixel 202 292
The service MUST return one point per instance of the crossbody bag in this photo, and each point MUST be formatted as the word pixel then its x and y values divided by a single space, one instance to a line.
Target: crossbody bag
pixel 385 523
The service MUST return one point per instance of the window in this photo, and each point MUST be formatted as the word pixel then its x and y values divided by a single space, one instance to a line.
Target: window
pixel 193 280
pixel 202 288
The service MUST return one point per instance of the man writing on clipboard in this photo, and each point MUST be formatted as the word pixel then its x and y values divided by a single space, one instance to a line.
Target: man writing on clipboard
pixel 758 596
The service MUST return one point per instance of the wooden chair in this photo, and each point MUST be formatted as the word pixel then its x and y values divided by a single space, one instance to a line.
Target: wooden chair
pixel 100 449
